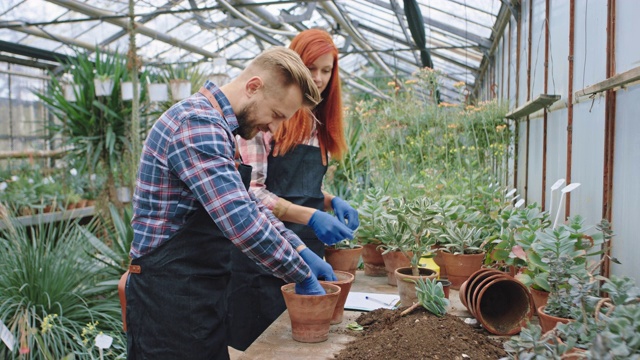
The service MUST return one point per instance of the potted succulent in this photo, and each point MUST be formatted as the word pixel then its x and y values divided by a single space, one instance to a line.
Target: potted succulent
pixel 343 256
pixel 370 213
pixel 408 230
pixel 103 84
pixel 558 261
pixel 463 251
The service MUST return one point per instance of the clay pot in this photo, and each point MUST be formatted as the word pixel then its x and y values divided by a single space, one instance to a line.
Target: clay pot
pixel 373 262
pixel 439 259
pixel 407 283
pixel 345 279
pixel 343 259
pixel 392 261
pixel 502 305
pixel 540 297
pixel 548 322
pixel 446 285
pixel 310 314
pixel 461 266
pixel 472 282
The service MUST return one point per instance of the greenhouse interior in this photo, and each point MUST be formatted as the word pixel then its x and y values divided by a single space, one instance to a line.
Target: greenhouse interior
pixel 341 179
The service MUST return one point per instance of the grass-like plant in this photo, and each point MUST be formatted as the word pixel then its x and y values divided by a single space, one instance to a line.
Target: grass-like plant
pixel 51 299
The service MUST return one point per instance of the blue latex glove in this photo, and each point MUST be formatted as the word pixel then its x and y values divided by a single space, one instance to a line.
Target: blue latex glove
pixel 310 286
pixel 344 211
pixel 321 269
pixel 328 228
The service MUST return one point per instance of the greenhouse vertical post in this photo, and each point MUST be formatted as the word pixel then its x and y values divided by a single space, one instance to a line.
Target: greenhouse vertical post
pixel 135 104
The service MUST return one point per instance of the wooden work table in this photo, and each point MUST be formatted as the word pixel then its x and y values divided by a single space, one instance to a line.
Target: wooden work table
pixel 276 341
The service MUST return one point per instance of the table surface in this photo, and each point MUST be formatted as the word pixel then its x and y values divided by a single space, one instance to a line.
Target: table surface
pixel 276 341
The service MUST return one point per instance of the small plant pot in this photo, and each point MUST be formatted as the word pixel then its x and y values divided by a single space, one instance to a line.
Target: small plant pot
pixel 310 315
pixel 345 279
pixel 158 92
pixel 343 259
pixel 103 87
pixel 126 89
pixel 70 91
pixel 548 322
pixel 446 285
pixel 392 261
pixel 407 283
pixel 540 297
pixel 502 305
pixel 461 266
pixel 123 194
pixel 180 89
pixel 372 260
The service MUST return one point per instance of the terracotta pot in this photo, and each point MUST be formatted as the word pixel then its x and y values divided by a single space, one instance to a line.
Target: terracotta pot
pixel 407 283
pixel 372 259
pixel 440 261
pixel 310 314
pixel 345 279
pixel 80 204
pixel 471 283
pixel 540 297
pixel 503 305
pixel 343 259
pixel 548 322
pixel 461 266
pixel 446 285
pixel 392 261
pixel 91 202
pixel 473 295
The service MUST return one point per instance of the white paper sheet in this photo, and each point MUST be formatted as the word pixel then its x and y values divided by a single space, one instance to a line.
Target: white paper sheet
pixel 362 301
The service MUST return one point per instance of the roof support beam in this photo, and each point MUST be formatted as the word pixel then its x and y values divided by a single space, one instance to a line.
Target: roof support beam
pixel 140 28
pixel 347 25
pixel 482 42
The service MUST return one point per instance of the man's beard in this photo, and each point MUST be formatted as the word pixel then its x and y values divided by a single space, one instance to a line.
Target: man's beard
pixel 246 122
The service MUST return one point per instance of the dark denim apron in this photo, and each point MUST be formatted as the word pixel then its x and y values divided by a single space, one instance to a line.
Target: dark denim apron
pixel 183 283
pixel 255 299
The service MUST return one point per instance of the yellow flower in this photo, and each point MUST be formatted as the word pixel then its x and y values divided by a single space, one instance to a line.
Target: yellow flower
pixel 411 81
pixel 47 323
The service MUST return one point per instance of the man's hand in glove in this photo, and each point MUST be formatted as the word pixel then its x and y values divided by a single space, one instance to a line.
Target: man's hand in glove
pixel 344 211
pixel 328 228
pixel 310 286
pixel 321 269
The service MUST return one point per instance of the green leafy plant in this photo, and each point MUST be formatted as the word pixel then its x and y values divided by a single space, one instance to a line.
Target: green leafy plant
pixel 51 290
pixel 431 296
pixel 463 239
pixel 370 214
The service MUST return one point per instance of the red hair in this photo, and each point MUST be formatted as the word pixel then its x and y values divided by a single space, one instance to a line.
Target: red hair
pixel 310 45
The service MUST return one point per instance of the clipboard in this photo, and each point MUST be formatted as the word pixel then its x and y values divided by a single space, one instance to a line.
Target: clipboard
pixel 364 301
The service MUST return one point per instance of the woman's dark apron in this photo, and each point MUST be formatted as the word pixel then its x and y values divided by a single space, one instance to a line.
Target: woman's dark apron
pixel 255 299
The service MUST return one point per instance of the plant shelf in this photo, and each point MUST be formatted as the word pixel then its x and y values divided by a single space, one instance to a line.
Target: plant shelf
pixel 542 101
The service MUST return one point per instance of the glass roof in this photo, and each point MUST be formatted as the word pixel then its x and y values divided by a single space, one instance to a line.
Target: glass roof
pixel 375 41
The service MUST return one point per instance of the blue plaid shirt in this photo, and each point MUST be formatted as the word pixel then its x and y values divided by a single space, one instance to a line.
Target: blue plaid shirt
pixel 188 157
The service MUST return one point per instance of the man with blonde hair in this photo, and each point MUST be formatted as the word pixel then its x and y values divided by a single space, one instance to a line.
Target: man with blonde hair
pixel 191 206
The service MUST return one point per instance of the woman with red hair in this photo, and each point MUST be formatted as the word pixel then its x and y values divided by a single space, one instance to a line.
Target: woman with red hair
pixel 288 169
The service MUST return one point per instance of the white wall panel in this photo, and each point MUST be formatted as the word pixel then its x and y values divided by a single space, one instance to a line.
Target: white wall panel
pixel 522 157
pixel 537 48
pixel 590 43
pixel 524 52
pixel 627 30
pixel 587 160
pixel 556 152
pixel 559 49
pixel 534 184
pixel 626 192
pixel 512 62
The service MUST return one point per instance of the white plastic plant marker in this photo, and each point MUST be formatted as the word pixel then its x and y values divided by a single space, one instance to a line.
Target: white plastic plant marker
pixel 567 189
pixel 519 203
pixel 6 336
pixel 103 341
pixel 510 193
pixel 554 187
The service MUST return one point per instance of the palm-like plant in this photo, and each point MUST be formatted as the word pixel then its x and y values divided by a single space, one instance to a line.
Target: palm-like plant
pixel 51 300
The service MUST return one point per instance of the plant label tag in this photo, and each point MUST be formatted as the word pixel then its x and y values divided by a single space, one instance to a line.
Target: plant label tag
pixel 7 336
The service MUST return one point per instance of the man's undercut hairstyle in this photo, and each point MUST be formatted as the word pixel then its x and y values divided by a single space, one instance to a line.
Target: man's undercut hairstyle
pixel 291 70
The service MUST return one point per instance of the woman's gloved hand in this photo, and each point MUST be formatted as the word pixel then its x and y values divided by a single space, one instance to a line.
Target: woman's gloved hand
pixel 310 286
pixel 344 211
pixel 320 268
pixel 328 228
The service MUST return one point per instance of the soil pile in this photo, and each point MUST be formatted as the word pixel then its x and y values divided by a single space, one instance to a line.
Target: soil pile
pixel 418 335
